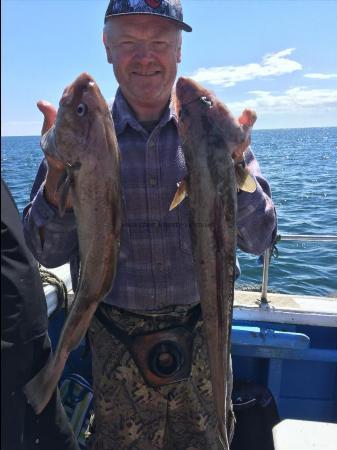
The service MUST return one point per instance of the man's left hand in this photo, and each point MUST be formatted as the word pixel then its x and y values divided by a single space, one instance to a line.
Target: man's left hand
pixel 246 120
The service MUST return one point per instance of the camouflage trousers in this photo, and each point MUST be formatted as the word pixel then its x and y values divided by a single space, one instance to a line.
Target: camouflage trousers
pixel 131 415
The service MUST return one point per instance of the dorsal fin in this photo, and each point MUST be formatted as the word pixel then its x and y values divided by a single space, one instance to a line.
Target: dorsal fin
pixel 244 179
pixel 180 195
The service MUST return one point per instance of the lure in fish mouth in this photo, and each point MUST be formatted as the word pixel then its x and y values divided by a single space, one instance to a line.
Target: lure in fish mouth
pixel 84 142
pixel 210 137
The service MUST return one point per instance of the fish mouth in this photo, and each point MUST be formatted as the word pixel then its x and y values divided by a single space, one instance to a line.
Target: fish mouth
pixel 188 91
pixel 185 85
pixel 82 84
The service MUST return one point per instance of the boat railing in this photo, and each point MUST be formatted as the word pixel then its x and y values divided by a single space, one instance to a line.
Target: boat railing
pixel 268 253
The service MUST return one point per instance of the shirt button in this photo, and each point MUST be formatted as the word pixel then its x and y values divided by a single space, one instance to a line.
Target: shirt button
pixel 37 441
pixel 160 267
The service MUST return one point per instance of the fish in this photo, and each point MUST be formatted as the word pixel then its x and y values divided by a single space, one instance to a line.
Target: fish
pixel 83 139
pixel 210 137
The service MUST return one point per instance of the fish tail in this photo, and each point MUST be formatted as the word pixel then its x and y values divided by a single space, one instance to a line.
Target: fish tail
pixel 40 389
pixel 223 437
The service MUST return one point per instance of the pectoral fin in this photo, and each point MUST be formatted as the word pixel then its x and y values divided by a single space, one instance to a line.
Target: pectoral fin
pixel 244 180
pixel 179 195
pixel 47 142
pixel 62 180
pixel 63 187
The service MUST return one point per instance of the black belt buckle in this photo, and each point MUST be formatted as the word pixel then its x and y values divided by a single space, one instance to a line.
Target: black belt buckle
pixel 163 357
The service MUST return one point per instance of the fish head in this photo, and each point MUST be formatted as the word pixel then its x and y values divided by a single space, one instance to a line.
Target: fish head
pixel 192 101
pixel 78 124
pixel 198 107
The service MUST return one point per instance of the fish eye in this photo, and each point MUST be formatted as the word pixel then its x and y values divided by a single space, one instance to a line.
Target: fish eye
pixel 207 101
pixel 82 109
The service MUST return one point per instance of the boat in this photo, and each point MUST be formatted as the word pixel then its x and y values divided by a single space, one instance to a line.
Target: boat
pixel 284 354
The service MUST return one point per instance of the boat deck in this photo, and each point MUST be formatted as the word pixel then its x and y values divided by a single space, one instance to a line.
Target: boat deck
pixel 286 308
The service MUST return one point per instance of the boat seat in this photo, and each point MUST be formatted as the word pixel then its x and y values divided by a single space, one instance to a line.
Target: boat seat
pixel 292 434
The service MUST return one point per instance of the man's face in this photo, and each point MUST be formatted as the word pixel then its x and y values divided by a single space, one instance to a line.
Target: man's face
pixel 144 51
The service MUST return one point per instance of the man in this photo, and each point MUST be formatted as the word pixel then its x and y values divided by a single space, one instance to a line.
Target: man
pixel 25 345
pixel 155 286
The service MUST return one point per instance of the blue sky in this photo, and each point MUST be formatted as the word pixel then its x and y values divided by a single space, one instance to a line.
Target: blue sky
pixel 278 57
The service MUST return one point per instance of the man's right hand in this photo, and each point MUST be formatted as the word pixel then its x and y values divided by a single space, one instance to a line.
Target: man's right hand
pixel 55 167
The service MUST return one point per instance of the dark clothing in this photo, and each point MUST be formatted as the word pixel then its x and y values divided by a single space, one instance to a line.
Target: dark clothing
pixel 21 429
pixel 25 345
pixel 23 315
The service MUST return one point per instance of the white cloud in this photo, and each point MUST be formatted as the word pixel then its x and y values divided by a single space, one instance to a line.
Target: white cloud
pixel 294 100
pixel 321 76
pixel 273 64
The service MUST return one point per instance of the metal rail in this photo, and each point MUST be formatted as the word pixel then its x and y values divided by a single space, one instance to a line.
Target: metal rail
pixel 288 237
pixel 307 237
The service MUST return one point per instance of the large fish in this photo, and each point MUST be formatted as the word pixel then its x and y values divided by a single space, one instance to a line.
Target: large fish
pixel 210 138
pixel 83 139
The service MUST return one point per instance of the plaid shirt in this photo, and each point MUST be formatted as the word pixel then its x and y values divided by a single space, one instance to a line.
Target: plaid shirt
pixel 155 267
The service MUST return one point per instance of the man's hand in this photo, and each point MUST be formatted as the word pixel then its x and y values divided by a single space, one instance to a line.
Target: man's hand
pixel 55 167
pixel 246 120
pixel 240 150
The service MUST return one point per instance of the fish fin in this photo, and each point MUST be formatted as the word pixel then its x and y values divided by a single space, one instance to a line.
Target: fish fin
pixel 65 188
pixel 223 438
pixel 244 179
pixel 47 142
pixel 180 195
pixel 40 389
pixel 62 180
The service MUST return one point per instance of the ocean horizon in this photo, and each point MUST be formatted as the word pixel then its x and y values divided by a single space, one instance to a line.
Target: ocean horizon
pixel 300 165
pixel 255 129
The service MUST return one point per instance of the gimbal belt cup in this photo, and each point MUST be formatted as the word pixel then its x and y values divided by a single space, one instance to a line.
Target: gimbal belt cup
pixel 163 357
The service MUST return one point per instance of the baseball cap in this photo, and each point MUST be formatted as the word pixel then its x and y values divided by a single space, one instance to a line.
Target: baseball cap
pixel 169 9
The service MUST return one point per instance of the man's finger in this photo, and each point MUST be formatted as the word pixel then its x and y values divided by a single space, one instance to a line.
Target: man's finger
pixel 49 112
pixel 240 149
pixel 247 118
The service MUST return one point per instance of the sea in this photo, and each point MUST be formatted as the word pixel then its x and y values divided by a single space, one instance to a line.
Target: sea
pixel 301 167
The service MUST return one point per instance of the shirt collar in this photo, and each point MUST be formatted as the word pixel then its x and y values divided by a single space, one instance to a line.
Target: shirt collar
pixel 123 115
pixel 169 114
